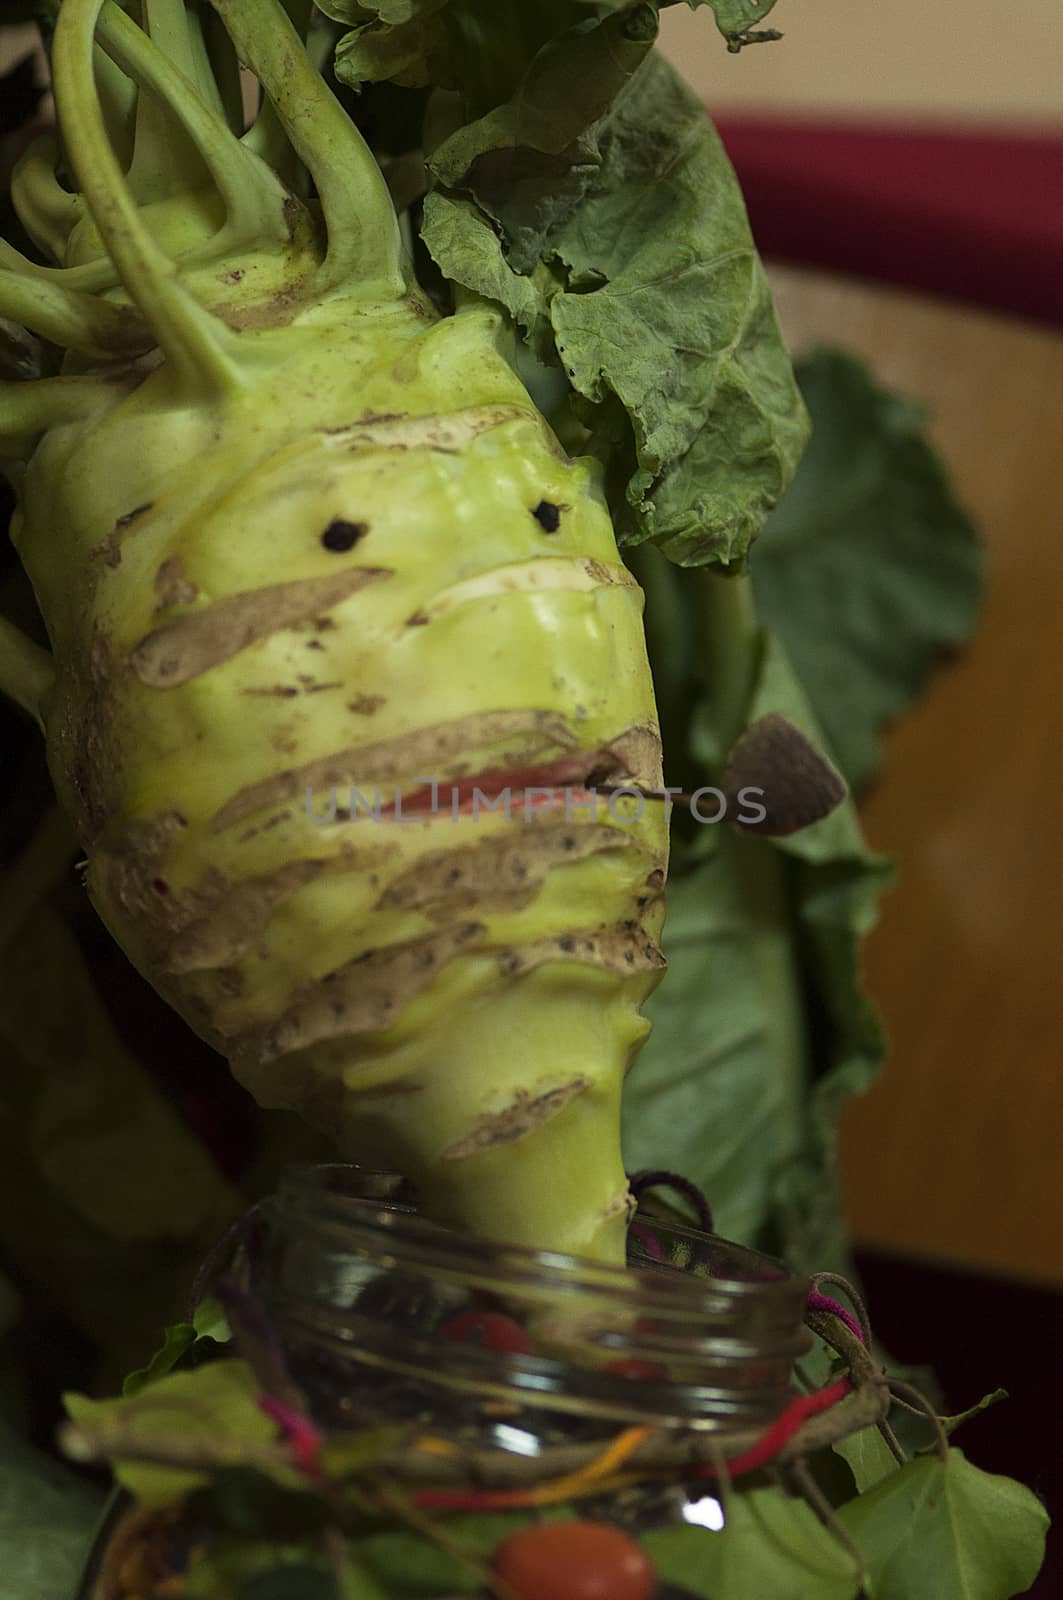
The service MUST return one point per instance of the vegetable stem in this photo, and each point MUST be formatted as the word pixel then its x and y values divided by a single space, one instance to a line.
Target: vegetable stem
pixel 165 160
pixel 69 317
pixel 254 197
pixel 26 671
pixel 195 343
pixel 729 650
pixel 364 244
pixel 46 210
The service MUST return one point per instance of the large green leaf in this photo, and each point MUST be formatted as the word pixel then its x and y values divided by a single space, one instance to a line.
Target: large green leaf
pixel 770 1548
pixel 47 1518
pixel 660 307
pixel 529 163
pixel 869 1458
pixel 869 570
pixel 590 196
pixel 945 1530
pixel 761 1028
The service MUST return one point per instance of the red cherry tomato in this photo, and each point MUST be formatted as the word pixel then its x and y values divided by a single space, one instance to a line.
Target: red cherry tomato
pixel 574 1561
pixel 632 1367
pixel 491 1330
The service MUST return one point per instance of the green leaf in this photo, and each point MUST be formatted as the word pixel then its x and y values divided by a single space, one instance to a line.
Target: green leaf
pixel 176 1341
pixel 761 1029
pixel 660 306
pixel 948 1531
pixel 409 52
pixel 528 162
pixel 869 570
pixel 216 1405
pixel 47 1519
pixel 769 1546
pixel 869 1457
pixel 210 1322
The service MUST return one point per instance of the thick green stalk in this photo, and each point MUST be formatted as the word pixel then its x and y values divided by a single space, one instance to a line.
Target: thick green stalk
pixel 165 160
pixel 47 211
pixel 28 409
pixel 67 317
pixel 26 671
pixel 197 346
pixel 363 232
pixel 728 652
pixel 253 197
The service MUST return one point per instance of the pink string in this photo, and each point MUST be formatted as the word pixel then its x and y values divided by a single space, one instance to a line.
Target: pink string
pixel 823 1302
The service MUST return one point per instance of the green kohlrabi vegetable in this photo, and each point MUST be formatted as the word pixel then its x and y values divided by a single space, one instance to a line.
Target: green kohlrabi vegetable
pixel 303 546
pixel 341 635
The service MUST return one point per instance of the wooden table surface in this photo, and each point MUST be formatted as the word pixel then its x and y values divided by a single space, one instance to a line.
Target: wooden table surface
pixel 956 1152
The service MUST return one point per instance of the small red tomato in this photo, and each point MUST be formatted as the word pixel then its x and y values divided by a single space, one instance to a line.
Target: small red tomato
pixel 574 1561
pixel 632 1367
pixel 491 1330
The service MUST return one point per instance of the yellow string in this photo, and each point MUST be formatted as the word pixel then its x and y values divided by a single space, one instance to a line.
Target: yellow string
pixel 603 1466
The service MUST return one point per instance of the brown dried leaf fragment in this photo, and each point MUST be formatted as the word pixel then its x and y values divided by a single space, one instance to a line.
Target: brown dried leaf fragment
pixel 794 783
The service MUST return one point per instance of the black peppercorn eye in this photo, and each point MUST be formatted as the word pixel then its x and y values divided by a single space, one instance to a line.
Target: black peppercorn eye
pixel 341 535
pixel 548 515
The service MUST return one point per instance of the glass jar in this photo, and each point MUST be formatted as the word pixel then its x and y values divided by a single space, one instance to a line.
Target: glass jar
pixel 516 1367
pixel 507 1355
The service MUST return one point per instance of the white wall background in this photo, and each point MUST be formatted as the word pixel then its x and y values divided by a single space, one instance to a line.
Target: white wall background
pixel 995 61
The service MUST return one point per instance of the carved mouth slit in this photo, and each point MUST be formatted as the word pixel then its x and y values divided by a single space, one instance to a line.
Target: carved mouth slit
pixel 575 774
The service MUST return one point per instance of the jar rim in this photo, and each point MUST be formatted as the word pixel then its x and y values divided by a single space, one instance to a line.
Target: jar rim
pixel 724 1320
pixel 385 1211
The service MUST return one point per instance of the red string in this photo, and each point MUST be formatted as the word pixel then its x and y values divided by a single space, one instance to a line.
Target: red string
pixel 783 1428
